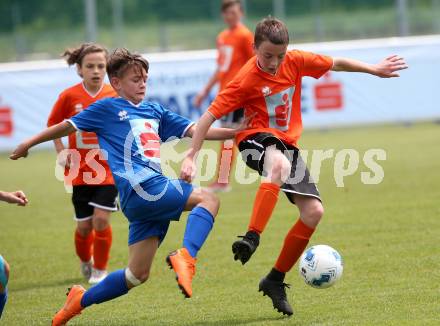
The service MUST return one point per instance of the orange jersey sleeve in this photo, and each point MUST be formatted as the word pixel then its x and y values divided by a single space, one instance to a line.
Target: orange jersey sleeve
pixel 58 113
pixel 311 64
pixel 271 101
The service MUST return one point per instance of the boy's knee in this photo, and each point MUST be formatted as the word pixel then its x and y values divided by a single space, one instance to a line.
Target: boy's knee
pixel 84 229
pixel 313 213
pixel 210 201
pixel 100 222
pixel 279 169
pixel 137 277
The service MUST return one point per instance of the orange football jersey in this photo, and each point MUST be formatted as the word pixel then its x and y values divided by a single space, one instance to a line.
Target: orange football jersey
pixel 274 101
pixel 70 102
pixel 234 50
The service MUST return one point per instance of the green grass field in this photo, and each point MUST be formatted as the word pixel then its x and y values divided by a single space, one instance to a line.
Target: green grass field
pixel 387 234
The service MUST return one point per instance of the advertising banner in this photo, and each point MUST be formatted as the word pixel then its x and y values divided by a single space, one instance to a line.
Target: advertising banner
pixel 28 90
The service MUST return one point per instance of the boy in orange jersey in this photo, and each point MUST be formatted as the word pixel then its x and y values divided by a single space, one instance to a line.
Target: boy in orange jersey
pixel 269 89
pixel 234 46
pixel 94 193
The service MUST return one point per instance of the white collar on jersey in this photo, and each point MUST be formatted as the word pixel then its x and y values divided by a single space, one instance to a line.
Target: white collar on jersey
pixel 135 105
pixel 90 94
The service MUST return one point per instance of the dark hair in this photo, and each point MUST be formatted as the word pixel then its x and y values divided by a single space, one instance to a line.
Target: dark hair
pixel 121 59
pixel 271 29
pixel 229 3
pixel 76 56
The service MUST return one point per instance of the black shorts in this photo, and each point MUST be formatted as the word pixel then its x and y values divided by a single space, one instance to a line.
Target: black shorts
pixel 232 118
pixel 86 198
pixel 300 182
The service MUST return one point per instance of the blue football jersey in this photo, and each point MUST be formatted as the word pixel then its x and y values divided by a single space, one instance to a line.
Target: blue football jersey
pixel 130 135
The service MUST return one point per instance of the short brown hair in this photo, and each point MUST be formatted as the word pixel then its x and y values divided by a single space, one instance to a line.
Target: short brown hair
pixel 229 3
pixel 76 55
pixel 271 29
pixel 121 59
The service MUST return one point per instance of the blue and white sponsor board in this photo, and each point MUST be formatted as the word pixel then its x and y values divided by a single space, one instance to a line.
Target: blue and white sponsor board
pixel 28 90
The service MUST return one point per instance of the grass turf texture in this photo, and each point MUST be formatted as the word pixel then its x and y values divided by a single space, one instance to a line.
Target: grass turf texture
pixel 386 233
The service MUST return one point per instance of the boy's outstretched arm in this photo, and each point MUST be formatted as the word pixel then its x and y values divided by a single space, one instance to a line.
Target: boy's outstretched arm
pixel 221 133
pixel 214 133
pixel 188 169
pixel 15 197
pixel 57 131
pixel 386 68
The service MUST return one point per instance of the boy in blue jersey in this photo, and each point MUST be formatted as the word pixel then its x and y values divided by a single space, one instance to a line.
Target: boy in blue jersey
pixel 130 131
pixel 4 277
pixel 15 197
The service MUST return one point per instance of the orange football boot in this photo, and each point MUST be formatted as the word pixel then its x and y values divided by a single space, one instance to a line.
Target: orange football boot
pixel 71 308
pixel 185 267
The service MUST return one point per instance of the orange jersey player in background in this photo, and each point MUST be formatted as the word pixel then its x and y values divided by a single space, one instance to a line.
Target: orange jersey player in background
pixel 234 46
pixel 274 100
pixel 269 88
pixel 94 194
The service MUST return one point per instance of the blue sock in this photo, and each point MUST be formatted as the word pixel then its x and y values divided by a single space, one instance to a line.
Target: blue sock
pixel 3 299
pixel 199 225
pixel 113 286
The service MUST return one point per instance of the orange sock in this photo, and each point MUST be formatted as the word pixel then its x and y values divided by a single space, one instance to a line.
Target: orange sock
pixel 226 159
pixel 101 248
pixel 83 246
pixel 265 201
pixel 294 244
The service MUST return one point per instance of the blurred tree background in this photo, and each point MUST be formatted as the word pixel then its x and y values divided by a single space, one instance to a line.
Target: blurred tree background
pixel 31 29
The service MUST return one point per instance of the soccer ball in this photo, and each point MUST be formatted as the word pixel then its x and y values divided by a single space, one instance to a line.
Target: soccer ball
pixel 4 274
pixel 321 266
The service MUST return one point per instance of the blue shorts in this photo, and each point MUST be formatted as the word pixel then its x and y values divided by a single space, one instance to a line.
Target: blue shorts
pixel 144 229
pixel 157 202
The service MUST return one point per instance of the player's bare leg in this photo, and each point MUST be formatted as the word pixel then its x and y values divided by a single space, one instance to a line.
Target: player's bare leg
pixel 140 259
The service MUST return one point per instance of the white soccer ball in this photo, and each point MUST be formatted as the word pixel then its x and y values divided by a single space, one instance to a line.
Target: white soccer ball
pixel 321 266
